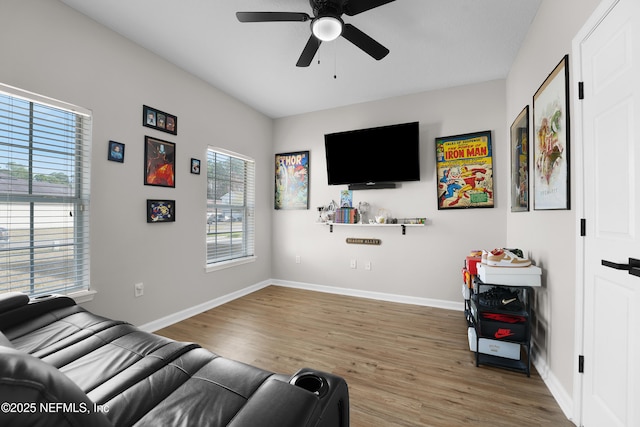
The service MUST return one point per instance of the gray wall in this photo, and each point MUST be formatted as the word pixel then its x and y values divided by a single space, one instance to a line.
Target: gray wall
pixel 57 52
pixel 426 262
pixel 553 244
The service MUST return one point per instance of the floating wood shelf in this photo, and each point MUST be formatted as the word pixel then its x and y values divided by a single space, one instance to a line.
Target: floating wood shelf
pixel 402 226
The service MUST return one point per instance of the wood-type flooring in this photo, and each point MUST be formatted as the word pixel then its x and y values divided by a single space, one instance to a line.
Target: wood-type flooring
pixel 405 365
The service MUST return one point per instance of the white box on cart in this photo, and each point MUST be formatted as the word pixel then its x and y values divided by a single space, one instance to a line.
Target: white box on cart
pixel 505 349
pixel 510 276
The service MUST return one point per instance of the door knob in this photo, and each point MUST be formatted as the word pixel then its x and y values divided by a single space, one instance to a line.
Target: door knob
pixel 633 267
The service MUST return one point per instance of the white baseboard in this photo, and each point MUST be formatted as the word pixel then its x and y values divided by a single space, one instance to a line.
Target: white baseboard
pixel 564 400
pixel 197 309
pixel 428 302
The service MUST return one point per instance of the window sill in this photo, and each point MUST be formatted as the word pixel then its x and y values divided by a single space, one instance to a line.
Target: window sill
pixel 228 264
pixel 82 296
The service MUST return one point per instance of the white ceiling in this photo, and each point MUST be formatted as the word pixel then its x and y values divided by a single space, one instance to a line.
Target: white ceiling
pixel 434 44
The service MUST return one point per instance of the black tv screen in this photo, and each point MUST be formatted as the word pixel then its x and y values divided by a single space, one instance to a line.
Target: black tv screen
pixel 386 154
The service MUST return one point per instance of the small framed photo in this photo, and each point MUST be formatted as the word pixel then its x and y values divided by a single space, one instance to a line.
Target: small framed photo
pixel 195 166
pixel 159 162
pixel 116 152
pixel 161 211
pixel 159 120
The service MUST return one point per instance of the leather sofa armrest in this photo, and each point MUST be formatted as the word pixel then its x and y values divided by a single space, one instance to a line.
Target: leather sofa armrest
pixel 35 393
pixel 333 393
pixel 278 404
pixel 311 398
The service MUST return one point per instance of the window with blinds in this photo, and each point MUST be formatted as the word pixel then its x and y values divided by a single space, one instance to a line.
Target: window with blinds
pixel 230 207
pixel 44 194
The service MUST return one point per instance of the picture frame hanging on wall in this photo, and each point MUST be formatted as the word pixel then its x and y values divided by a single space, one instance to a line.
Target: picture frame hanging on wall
pixel 116 152
pixel 464 166
pixel 161 211
pixel 520 162
pixel 159 162
pixel 195 166
pixel 292 180
pixel 551 137
pixel 159 120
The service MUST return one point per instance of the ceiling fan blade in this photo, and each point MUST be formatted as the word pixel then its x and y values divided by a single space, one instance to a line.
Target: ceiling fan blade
pixel 272 16
pixel 354 7
pixel 309 51
pixel 364 42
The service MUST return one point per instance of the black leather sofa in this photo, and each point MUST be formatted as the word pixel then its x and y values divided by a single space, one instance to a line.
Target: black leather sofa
pixel 61 365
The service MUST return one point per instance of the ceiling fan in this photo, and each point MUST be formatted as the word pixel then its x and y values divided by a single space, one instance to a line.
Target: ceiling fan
pixel 326 25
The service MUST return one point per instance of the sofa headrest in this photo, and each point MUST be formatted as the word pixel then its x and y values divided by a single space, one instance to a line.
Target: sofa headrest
pixel 35 393
pixel 11 300
pixel 16 309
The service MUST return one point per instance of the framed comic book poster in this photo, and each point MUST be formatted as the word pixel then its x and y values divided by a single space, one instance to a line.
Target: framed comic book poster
pixel 520 162
pixel 551 135
pixel 292 180
pixel 464 166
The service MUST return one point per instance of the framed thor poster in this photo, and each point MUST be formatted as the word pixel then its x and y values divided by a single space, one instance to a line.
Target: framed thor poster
pixel 292 180
pixel 464 165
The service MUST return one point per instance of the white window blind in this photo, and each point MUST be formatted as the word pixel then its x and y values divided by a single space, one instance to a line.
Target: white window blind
pixel 230 206
pixel 44 194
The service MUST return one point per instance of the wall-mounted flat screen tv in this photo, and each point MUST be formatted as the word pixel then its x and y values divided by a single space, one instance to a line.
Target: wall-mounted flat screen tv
pixel 374 157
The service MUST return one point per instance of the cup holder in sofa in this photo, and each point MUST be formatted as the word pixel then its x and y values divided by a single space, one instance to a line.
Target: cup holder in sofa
pixel 311 382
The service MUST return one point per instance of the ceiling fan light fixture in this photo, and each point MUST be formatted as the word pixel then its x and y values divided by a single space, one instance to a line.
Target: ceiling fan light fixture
pixel 327 28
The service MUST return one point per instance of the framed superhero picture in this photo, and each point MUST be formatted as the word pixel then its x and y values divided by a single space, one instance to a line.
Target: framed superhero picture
pixel 464 165
pixel 159 162
pixel 292 180
pixel 520 162
pixel 551 136
pixel 116 152
pixel 195 166
pixel 161 211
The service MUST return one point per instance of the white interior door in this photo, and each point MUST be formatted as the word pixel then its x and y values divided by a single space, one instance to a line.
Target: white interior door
pixel 611 136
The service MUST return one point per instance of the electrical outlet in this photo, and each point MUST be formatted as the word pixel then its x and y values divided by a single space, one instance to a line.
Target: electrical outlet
pixel 138 289
pixel 367 266
pixel 297 259
pixel 353 264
